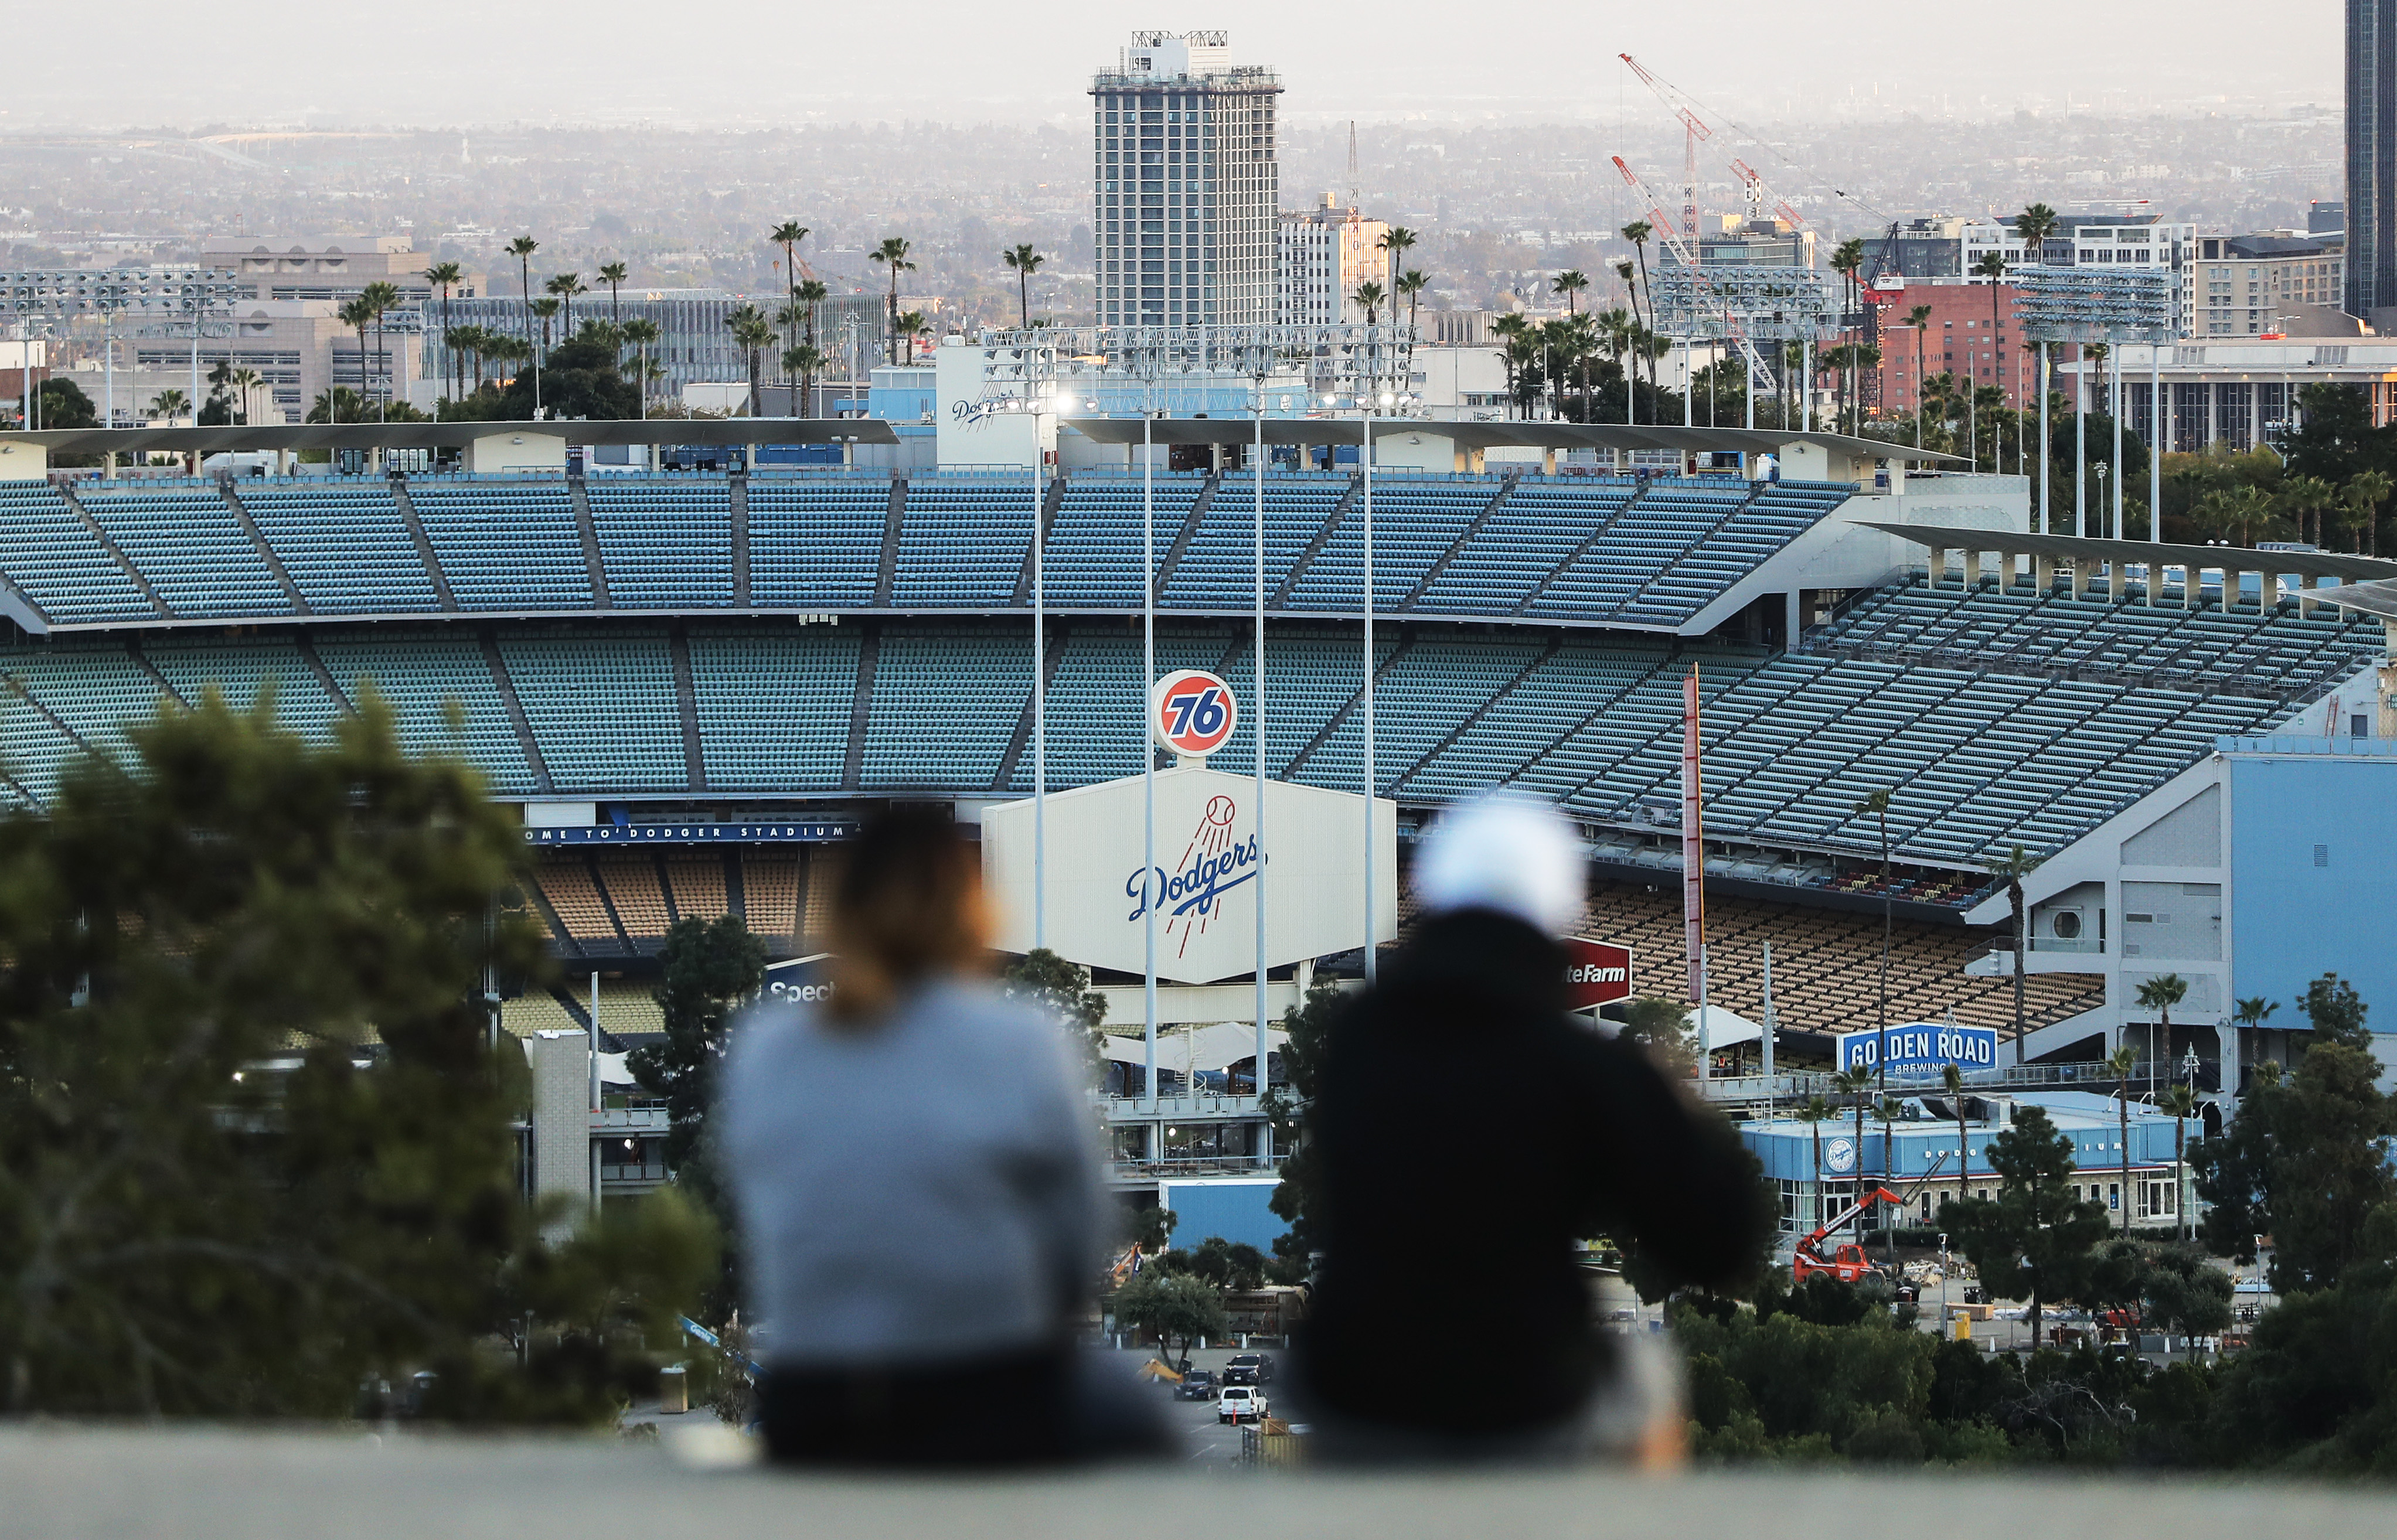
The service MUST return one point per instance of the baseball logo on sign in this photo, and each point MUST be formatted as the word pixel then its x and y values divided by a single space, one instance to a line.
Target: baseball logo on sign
pixel 1191 712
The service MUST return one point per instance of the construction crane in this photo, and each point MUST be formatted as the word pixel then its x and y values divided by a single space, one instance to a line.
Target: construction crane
pixel 1758 373
pixel 1758 193
pixel 1694 129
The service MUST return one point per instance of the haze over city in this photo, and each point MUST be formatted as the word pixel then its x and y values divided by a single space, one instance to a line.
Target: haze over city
pixel 752 62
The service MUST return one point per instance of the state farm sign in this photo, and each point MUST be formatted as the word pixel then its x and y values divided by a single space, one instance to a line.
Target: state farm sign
pixel 1597 972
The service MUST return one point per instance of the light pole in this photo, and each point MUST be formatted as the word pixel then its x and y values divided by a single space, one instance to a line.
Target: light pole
pixel 1259 1082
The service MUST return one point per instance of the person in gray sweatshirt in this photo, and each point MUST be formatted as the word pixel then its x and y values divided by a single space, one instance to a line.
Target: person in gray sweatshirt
pixel 917 1181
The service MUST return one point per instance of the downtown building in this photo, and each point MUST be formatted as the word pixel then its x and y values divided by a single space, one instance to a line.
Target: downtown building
pixel 2371 287
pixel 1186 185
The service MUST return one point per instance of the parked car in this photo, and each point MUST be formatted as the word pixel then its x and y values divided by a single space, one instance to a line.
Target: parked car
pixel 1197 1386
pixel 1236 1403
pixel 1250 1369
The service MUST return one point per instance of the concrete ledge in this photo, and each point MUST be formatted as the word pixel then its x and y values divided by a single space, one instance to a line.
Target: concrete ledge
pixel 144 1484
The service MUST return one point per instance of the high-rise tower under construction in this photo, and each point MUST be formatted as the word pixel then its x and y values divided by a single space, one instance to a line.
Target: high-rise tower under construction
pixel 1185 186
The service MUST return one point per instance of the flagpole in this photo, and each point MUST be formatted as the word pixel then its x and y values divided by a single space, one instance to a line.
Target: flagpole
pixel 1151 895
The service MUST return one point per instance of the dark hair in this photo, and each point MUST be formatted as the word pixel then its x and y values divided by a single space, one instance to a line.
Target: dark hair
pixel 908 906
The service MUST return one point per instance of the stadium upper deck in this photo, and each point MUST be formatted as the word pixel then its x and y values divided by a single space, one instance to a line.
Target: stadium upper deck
pixel 692 641
pixel 1572 552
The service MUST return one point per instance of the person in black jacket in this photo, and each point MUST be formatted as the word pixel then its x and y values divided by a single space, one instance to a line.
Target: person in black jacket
pixel 1467 1131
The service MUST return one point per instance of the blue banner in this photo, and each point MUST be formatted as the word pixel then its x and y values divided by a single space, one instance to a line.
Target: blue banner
pixel 1920 1045
pixel 812 830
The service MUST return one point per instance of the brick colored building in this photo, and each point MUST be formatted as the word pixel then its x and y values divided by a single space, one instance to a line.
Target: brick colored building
pixel 1959 338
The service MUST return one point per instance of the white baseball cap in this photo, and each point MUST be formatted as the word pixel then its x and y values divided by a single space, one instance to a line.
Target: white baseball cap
pixel 1510 853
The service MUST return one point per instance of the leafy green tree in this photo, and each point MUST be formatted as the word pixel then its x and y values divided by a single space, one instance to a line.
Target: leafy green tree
pixel 1223 1264
pixel 1041 978
pixel 580 379
pixel 255 1111
pixel 1151 1227
pixel 2307 1161
pixel 1663 1029
pixel 710 969
pixel 1306 1028
pixel 1177 1308
pixel 2032 1242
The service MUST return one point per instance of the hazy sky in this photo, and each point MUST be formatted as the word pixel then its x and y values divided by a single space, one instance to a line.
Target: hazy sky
pixel 717 61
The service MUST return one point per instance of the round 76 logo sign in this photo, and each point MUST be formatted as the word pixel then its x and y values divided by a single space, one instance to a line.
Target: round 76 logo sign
pixel 1191 712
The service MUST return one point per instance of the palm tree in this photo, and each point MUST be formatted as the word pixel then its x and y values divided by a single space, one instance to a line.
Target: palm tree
pixel 1813 1113
pixel 1992 266
pixel 2250 1015
pixel 1411 283
pixel 1875 805
pixel 2365 491
pixel 1396 243
pixel 339 403
pixel 547 310
pixel 1951 1078
pixel 1856 1084
pixel 614 274
pixel 2035 225
pixel 2307 497
pixel 465 344
pixel 2011 867
pixel 522 249
pixel 1570 283
pixel 912 325
pixel 752 333
pixel 244 382
pixel 2120 1063
pixel 446 274
pixel 1847 260
pixel 2160 995
pixel 1369 298
pixel 358 315
pixel 892 254
pixel 169 404
pixel 1890 1108
pixel 2181 1102
pixel 806 361
pixel 640 331
pixel 1630 393
pixel 811 293
pixel 566 286
pixel 1639 233
pixel 1510 329
pixel 788 235
pixel 1025 261
pixel 381 296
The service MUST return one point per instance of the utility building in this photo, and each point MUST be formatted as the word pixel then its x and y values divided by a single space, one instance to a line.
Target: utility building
pixel 1185 187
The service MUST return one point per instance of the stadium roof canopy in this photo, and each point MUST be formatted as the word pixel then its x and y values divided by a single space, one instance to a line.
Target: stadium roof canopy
pixel 2235 558
pixel 712 431
pixel 1493 435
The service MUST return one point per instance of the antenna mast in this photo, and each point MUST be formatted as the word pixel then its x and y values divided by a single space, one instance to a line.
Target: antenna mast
pixel 1354 202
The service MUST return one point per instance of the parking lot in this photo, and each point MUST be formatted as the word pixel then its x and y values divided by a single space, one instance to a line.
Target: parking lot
pixel 1207 1442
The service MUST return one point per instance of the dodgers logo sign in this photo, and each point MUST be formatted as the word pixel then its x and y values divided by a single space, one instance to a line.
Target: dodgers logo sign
pixel 1212 863
pixel 1920 1046
pixel 1191 713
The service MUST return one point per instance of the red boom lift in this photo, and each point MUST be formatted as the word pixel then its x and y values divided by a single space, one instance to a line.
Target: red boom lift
pixel 1847 1263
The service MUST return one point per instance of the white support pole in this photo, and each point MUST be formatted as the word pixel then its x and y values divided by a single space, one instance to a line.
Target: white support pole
pixel 2045 527
pixel 2115 396
pixel 589 1143
pixel 1039 701
pixel 2081 453
pixel 1366 455
pixel 1152 892
pixel 1259 1082
pixel 2156 442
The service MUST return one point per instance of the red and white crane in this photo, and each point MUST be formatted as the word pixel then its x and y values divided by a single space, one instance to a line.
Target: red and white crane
pixel 1684 253
pixel 1694 129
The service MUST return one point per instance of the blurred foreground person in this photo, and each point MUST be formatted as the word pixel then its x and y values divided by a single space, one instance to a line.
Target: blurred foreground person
pixel 917 1190
pixel 1453 1216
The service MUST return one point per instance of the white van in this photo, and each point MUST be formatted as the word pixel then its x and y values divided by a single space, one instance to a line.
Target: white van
pixel 1238 1402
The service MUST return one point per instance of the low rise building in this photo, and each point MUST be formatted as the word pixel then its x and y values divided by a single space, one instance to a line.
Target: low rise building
pixel 2274 282
pixel 1326 252
pixel 1961 337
